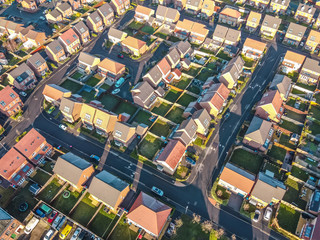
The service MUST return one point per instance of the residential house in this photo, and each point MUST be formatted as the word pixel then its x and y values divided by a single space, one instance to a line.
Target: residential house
pixel 145 95
pixel 270 26
pixel 143 14
pixel 196 32
pixel 180 4
pixel 292 62
pixel 215 99
pixel 253 21
pixel 208 8
pixel 311 229
pixel 171 156
pixel 232 72
pixel 310 71
pixel 87 62
pixel 253 49
pixel 38 64
pixel 75 4
pixel 95 22
pixel 155 215
pixel 317 23
pixel 106 13
pixel 120 6
pixel 9 226
pixel 123 134
pixel 259 3
pixel 134 46
pixel 154 76
pixel 15 168
pixel 29 6
pixel 184 48
pixel 104 121
pixel 34 147
pixel 70 109
pixel 33 39
pixel 236 180
pixel 70 41
pixel 65 9
pixel 186 133
pixel 54 16
pixel 294 34
pixel 283 84
pixel 314 203
pixel 108 189
pixel 202 119
pixel 3 59
pixel 87 114
pixel 219 36
pixel 305 13
pixel 173 57
pixel 267 190
pixel 166 16
pixel 279 6
pixel 230 16
pixel 232 37
pixel 3 26
pixel 10 102
pixel 83 31
pixel 55 51
pixel 54 93
pixel 163 2
pixel 193 6
pixel 259 134
pixel 110 69
pixel 116 36
pixel 13 29
pixel 22 77
pixel 270 106
pixel 313 41
pixel 70 163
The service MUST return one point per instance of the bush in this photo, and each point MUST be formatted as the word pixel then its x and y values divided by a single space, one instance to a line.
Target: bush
pixel 21 136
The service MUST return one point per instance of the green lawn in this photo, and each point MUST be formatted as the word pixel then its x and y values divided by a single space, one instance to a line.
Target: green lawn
pixel 246 160
pixel 223 56
pixel 315 112
pixel 92 81
pixel 296 91
pixel 273 168
pixel 248 62
pixel 161 35
pixel 6 194
pixel 109 101
pixel 64 205
pixel 172 95
pixel 162 109
pixel 205 74
pixel 174 39
pixel 288 218
pixel 175 115
pixel 102 223
pixel 84 211
pixel 41 177
pixel 277 153
pixel 72 86
pixel 194 89
pixel 143 117
pixel 125 107
pixel 183 82
pixel 299 173
pixel 185 99
pixel 285 140
pixel 314 128
pixel 105 86
pixel 193 71
pixel 123 232
pixel 88 96
pixel 149 146
pixel 148 29
pixel 77 75
pixel 161 128
pixel 135 25
pixel 296 116
pixel 292 194
pixel 50 191
pixel 291 126
pixel 306 86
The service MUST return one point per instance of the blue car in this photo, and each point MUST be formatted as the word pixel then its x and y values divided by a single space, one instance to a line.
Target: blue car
pixel 40 213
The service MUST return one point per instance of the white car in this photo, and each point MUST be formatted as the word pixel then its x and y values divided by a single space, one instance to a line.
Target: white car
pixel 49 235
pixel 157 191
pixel 256 216
pixel 23 94
pixel 76 233
pixel 267 214
pixel 63 127
pixel 115 91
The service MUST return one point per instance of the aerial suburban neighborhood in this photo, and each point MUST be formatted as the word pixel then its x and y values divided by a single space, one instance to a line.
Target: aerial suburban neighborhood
pixel 159 119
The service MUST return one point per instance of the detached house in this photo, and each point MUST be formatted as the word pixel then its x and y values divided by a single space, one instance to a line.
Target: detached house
pixel 10 102
pixel 253 21
pixel 193 6
pixel 70 41
pixel 65 9
pixel 54 16
pixel 83 31
pixel 294 34
pixel 259 134
pixel 184 48
pixel 134 46
pixel 81 170
pixel 38 64
pixel 313 41
pixel 215 99
pixel 279 6
pixel 95 22
pixel 270 26
pixel 232 37
pixel 208 8
pixel 283 84
pixel 87 62
pixel 292 62
pixel 230 16
pixel 202 119
pixel 54 93
pixel 310 71
pixel 70 109
pixel 253 49
pixel 305 13
pixel 108 189
pixel 22 77
pixel 186 133
pixel 33 39
pixel 110 69
pixel 232 72
pixel 123 134
pixel 29 5
pixel 116 36
pixel 143 14
pixel 55 51
pixel 120 6
pixel 270 106
pixel 106 13
pixel 34 147
pixel 145 95
pixel 219 36
pixel 236 180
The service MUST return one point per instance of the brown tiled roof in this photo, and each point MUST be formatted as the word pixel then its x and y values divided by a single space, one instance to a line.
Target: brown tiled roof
pixel 230 12
pixel 220 31
pixel 271 22
pixel 143 10
pixel 10 162
pixel 69 36
pixel 111 65
pixel 294 57
pixel 272 97
pixel 255 44
pixel 7 96
pixel 36 60
pixel 54 91
pixel 133 42
pixel 172 153
pixel 258 130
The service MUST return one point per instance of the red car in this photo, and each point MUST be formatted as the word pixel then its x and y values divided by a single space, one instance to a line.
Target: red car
pixel 52 216
pixel 120 55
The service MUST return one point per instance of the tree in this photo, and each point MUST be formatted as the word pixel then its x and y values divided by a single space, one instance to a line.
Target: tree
pixel 196 218
pixel 233 237
pixel 220 232
pixel 178 222
pixel 207 226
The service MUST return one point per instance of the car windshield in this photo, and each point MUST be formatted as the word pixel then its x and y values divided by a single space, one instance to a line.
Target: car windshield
pixel 256 216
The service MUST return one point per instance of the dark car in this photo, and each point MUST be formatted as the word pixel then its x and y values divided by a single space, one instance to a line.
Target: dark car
pixel 81 235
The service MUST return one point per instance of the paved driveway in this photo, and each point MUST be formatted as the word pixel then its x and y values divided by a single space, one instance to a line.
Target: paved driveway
pixel 235 201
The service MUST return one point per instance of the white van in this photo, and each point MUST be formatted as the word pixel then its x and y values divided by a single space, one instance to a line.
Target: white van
pixel 31 225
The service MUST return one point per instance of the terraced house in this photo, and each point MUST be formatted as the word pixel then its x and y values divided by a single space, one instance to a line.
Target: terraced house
pixel 145 95
pixel 259 3
pixel 232 72
pixel 22 77
pixel 70 109
pixel 279 6
pixel 143 14
pixel 305 13
pixel 193 6
pixel 253 49
pixel 230 16
pixel 208 8
pixel 294 34
pixel 120 6
pixel 110 69
pixel 313 41
pixel 270 26
pixel 83 31
pixel 253 21
pixel 104 121
pixel 167 16
pixel 95 22
pixel 218 37
pixel 38 64
pixel 10 102
pixel 310 71
pixel 106 13
pixel 196 32
pixel 55 51
pixel 87 114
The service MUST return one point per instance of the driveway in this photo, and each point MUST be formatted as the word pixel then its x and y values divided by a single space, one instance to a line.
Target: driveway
pixel 235 201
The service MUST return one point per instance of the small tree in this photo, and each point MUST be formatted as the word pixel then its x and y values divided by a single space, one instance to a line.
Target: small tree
pixel 196 218
pixel 178 222
pixel 220 232
pixel 233 237
pixel 207 226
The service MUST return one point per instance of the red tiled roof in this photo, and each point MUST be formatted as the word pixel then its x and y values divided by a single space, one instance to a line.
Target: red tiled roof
pixel 7 95
pixel 69 36
pixel 164 66
pixel 172 153
pixel 10 163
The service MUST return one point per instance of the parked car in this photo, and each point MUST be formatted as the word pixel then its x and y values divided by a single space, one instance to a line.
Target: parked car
pixel 63 127
pixel 51 109
pixel 115 91
pixel 267 214
pixel 119 82
pixel 81 235
pixel 63 220
pixel 76 233
pixel 31 225
pixel 120 55
pixel 157 191
pixel 53 215
pixel 40 213
pixel 257 215
pixel 95 157
pixel 57 220
pixel 49 235
pixel 23 94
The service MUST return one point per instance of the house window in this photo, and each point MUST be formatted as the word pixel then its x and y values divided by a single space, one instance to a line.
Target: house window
pixel 118 133
pixel 206 122
pixel 66 109
pixel 99 121
pixel 87 116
